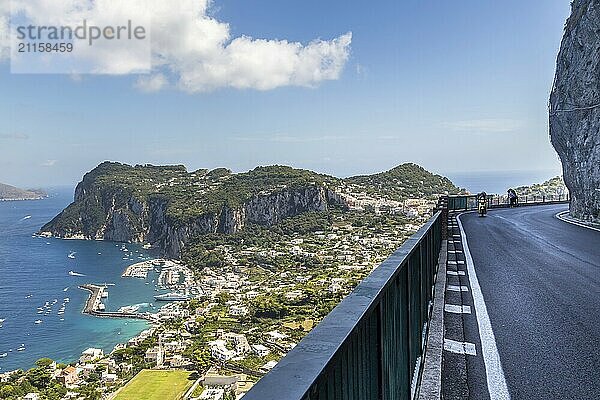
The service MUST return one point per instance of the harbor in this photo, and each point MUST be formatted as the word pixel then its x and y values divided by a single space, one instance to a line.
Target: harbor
pixel 95 307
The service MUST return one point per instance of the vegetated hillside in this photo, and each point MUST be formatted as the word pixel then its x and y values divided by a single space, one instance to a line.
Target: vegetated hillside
pixel 405 181
pixel 554 187
pixel 8 192
pixel 168 206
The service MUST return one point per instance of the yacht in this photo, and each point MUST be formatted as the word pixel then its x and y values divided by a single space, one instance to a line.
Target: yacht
pixel 171 297
pixel 38 321
pixel 3 355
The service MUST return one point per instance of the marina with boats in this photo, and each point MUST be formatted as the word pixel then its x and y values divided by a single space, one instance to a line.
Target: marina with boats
pixel 95 307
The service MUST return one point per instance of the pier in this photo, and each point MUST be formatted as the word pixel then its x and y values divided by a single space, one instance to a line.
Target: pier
pixel 92 305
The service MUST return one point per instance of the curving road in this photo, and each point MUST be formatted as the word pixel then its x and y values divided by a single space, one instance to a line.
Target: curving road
pixel 540 279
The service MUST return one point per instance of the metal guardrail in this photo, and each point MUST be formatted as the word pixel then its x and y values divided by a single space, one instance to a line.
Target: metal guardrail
pixel 469 202
pixel 371 346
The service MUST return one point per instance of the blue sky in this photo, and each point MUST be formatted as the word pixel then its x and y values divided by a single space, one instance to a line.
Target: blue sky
pixel 453 86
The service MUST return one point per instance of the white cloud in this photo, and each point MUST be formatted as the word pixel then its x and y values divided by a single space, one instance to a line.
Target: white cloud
pixel 191 48
pixel 4 30
pixel 151 83
pixel 289 138
pixel 49 163
pixel 14 136
pixel 484 125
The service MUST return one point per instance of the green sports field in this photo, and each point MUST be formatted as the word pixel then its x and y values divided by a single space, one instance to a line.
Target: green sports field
pixel 156 385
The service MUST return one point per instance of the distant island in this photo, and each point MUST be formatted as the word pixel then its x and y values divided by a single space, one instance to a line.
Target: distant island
pixel 8 193
pixel 168 207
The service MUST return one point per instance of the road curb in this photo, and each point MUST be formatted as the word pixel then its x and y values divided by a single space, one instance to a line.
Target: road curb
pixel 561 214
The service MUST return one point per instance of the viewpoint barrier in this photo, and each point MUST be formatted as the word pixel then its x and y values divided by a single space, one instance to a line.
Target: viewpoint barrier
pixel 371 346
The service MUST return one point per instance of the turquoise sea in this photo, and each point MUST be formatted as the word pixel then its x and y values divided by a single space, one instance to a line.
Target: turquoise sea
pixel 35 270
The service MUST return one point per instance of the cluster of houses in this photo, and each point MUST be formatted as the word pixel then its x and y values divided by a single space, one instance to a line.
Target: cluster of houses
pixel 169 350
pixel 360 201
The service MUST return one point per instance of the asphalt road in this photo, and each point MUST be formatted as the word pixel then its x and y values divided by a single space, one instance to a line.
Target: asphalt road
pixel 540 279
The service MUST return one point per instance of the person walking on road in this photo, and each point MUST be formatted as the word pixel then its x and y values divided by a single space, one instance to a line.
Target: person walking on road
pixel 513 198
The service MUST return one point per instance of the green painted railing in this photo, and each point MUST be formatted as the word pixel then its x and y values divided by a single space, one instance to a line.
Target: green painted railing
pixel 469 202
pixel 371 346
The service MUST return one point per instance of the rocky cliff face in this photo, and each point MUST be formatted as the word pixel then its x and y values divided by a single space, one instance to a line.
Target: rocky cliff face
pixel 105 213
pixel 575 108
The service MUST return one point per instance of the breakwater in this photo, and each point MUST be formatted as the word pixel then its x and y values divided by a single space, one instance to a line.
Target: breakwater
pixel 93 305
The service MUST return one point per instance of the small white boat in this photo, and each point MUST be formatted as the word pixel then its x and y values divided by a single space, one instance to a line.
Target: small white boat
pixel 65 289
pixel 73 273
pixel 72 255
pixel 38 321
pixel 3 355
pixel 66 299
pixel 22 348
pixel 2 320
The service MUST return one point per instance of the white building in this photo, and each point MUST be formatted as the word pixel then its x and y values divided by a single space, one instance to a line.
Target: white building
pixel 219 350
pixel 276 335
pixel 239 341
pixel 109 378
pixel 260 350
pixel 212 394
pixel 155 355
pixel 91 354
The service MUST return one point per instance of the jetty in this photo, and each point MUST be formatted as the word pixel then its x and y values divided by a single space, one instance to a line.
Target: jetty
pixel 93 305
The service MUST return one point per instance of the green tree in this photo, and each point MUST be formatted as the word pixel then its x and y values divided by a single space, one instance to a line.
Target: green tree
pixel 8 391
pixel 39 377
pixel 44 362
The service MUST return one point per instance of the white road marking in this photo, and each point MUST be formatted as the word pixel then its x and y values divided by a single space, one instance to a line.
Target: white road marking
pixel 460 347
pixel 454 288
pixel 496 382
pixel 456 273
pixel 456 309
pixel 560 216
